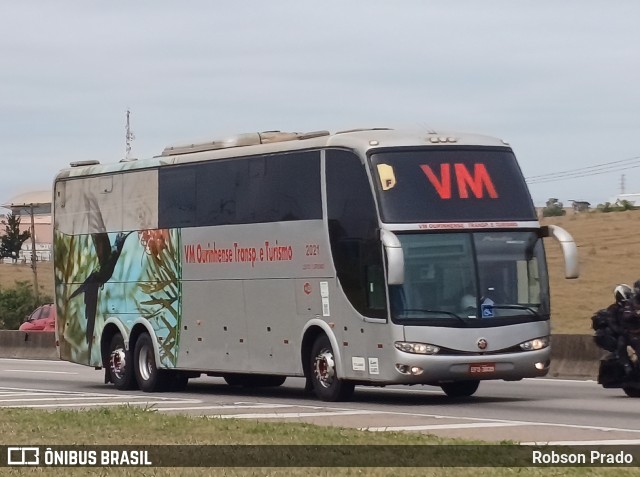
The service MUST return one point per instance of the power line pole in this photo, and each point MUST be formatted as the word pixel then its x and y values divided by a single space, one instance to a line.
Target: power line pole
pixel 128 138
pixel 622 184
pixel 34 258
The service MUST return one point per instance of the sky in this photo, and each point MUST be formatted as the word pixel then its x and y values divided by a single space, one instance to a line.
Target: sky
pixel 560 81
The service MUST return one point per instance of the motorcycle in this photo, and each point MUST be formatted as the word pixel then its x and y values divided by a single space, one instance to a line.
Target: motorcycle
pixel 611 373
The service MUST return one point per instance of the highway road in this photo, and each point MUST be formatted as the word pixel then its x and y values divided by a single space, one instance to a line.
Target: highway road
pixel 533 410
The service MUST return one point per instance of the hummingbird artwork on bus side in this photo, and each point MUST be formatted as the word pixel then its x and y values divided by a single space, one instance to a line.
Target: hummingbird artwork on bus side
pixel 108 256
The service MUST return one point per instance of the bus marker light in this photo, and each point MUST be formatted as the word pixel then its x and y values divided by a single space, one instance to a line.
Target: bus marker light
pixel 406 369
pixel 402 368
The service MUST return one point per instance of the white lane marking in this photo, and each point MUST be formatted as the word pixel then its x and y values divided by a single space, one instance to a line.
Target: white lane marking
pixel 228 406
pixel 60 391
pixel 434 427
pixel 35 371
pixel 5 391
pixel 56 399
pixel 521 423
pixel 8 393
pixel 87 404
pixel 44 361
pixel 288 415
pixel 612 442
pixel 504 421
pixel 561 380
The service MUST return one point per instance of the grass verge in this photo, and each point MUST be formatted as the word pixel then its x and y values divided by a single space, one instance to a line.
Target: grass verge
pixel 136 426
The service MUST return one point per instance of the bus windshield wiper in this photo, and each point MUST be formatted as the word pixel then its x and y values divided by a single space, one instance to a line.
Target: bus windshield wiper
pixel 443 312
pixel 516 307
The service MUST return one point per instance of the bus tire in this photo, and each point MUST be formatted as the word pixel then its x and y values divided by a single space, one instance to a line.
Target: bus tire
pixel 460 388
pixel 327 386
pixel 150 379
pixel 121 366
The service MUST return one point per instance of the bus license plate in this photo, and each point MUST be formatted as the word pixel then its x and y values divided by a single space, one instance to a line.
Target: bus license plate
pixel 482 368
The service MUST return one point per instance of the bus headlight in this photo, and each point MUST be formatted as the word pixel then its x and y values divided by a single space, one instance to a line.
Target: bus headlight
pixel 416 348
pixel 538 343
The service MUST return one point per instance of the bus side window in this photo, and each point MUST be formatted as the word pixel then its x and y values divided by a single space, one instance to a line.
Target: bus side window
pixel 353 224
pixel 177 197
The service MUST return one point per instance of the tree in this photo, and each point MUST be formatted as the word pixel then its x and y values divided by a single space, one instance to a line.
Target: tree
pixel 11 241
pixel 553 209
pixel 606 207
pixel 625 205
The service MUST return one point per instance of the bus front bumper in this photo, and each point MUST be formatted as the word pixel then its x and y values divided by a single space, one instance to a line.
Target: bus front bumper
pixel 420 369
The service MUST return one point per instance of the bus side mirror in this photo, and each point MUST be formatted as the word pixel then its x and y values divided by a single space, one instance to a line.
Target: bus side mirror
pixel 395 257
pixel 569 249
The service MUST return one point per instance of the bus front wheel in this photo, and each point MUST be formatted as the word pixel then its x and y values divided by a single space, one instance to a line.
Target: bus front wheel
pixel 460 388
pixel 120 364
pixel 326 383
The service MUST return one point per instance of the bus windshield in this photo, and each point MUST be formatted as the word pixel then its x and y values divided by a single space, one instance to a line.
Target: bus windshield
pixel 471 279
pixel 450 184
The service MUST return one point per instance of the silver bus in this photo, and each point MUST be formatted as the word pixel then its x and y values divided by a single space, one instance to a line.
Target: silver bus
pixel 364 257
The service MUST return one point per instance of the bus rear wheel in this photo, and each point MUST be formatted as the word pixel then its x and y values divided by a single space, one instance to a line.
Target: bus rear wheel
pixel 460 388
pixel 121 372
pixel 326 383
pixel 149 377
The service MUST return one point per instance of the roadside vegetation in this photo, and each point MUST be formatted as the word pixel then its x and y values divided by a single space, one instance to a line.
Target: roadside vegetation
pixel 609 250
pixel 18 302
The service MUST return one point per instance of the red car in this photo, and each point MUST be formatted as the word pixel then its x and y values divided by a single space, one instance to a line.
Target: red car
pixel 42 319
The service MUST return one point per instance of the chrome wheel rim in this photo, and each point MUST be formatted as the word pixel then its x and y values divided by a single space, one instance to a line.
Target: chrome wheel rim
pixel 144 363
pixel 324 368
pixel 117 363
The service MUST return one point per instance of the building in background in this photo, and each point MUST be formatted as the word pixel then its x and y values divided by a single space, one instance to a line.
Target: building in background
pixel 633 199
pixel 23 205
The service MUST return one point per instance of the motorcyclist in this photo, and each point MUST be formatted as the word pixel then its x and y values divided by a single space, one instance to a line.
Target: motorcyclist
pixel 628 324
pixel 606 322
pixel 623 295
